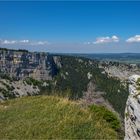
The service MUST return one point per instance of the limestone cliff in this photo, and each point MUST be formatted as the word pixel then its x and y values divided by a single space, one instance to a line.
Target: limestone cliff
pixel 119 70
pixel 21 64
pixel 132 111
pixel 12 89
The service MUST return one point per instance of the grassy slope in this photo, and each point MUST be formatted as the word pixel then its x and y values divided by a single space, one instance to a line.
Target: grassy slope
pixel 52 117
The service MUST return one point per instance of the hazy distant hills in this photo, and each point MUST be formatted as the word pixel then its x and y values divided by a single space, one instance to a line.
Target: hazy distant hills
pixel 120 57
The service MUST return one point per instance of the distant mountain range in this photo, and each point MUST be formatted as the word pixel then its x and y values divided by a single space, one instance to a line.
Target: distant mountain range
pixel 119 57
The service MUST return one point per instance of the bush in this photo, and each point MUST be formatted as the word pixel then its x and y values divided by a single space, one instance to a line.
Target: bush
pixel 31 81
pixel 138 84
pixel 108 116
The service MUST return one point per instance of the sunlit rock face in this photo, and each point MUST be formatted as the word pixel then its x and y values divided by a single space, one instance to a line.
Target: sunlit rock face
pixel 13 89
pixel 132 111
pixel 22 64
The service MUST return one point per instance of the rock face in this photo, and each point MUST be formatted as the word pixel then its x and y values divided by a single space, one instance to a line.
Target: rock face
pixel 21 64
pixel 15 89
pixel 132 111
pixel 121 71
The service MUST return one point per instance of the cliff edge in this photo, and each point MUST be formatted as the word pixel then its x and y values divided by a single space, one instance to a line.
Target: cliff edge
pixel 132 110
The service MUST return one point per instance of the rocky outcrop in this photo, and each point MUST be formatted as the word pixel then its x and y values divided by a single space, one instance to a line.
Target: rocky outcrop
pixel 132 111
pixel 93 96
pixel 119 70
pixel 12 89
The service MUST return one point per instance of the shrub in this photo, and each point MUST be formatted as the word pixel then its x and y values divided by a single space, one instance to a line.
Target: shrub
pixel 110 117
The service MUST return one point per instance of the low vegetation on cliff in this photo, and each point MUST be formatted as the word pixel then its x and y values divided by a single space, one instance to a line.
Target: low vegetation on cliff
pixel 138 83
pixel 52 117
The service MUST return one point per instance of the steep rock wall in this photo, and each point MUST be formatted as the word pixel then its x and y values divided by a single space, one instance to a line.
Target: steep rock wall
pixel 132 111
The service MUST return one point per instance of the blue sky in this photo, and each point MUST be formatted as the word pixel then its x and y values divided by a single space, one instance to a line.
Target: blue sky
pixel 62 26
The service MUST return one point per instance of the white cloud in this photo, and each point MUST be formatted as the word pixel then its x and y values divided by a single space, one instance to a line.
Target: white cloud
pixel 135 38
pixel 40 43
pixel 107 39
pixel 8 42
pixel 87 43
pixel 115 38
pixel 23 42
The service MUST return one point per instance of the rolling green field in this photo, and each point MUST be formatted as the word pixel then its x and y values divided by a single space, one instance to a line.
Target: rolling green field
pixel 49 117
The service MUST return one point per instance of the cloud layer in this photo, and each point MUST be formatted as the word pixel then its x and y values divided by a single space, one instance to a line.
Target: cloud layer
pixel 100 40
pixel 107 39
pixel 133 39
pixel 114 39
pixel 23 42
